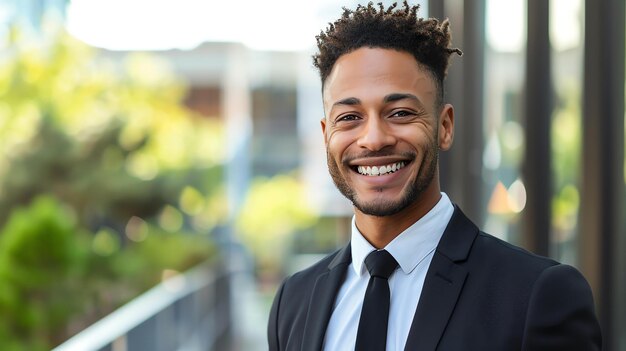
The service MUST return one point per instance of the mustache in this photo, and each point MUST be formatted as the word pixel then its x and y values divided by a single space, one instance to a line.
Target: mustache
pixel 381 153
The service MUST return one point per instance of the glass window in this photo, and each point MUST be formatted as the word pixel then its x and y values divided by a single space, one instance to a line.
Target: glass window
pixel 566 17
pixel 504 145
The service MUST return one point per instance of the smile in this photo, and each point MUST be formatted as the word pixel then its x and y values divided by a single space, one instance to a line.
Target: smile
pixel 375 171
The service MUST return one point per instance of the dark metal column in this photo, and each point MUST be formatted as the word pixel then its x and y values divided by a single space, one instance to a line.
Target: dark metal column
pixel 538 105
pixel 461 167
pixel 602 233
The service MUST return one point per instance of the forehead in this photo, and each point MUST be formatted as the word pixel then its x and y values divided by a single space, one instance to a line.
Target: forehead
pixel 375 72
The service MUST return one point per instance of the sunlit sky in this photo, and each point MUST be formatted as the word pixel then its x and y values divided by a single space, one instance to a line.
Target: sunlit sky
pixel 269 24
pixel 184 24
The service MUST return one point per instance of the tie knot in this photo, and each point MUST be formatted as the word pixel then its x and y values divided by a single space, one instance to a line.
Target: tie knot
pixel 380 264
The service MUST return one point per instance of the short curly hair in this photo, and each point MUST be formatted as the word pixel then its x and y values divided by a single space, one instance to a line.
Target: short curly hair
pixel 427 40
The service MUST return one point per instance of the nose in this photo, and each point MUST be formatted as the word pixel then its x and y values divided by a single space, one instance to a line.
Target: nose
pixel 376 135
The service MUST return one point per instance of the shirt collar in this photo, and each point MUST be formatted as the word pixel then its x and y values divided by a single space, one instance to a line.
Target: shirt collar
pixel 413 244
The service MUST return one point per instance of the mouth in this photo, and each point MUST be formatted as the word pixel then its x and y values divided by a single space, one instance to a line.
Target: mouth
pixel 377 171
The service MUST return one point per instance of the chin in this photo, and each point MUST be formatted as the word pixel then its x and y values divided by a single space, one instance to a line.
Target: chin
pixel 383 207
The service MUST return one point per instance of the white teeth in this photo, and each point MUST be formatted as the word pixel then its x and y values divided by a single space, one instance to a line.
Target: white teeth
pixel 380 170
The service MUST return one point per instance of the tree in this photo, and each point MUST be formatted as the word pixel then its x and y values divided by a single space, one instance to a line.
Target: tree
pixel 116 157
pixel 111 141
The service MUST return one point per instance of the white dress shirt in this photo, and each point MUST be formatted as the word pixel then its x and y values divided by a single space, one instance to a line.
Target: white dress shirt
pixel 413 249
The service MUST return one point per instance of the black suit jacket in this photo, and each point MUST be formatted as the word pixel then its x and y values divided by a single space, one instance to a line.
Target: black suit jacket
pixel 480 293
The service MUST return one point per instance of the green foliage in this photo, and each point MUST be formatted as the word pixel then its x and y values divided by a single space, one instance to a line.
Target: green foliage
pixel 566 136
pixel 42 261
pixel 110 140
pixel 146 261
pixel 118 160
pixel 274 209
pixel 52 273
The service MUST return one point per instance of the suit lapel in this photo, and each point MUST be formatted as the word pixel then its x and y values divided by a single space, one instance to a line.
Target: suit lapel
pixel 323 300
pixel 441 290
pixel 443 284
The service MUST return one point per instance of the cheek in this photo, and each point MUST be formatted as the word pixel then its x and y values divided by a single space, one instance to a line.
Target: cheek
pixel 419 136
pixel 337 142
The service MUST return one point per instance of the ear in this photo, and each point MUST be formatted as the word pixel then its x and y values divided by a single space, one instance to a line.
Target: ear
pixel 446 127
pixel 323 124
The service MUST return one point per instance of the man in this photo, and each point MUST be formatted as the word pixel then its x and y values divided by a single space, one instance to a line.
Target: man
pixel 417 274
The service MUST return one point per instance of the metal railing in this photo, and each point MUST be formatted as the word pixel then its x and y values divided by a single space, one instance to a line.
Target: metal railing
pixel 187 312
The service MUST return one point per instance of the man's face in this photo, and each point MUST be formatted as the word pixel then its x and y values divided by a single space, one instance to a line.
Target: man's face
pixel 382 130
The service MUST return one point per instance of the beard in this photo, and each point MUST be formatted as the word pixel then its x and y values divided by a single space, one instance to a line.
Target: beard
pixel 382 208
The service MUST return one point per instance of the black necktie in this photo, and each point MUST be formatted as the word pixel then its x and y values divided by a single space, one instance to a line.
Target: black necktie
pixel 372 332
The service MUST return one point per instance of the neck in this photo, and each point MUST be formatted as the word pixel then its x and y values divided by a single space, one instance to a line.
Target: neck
pixel 380 231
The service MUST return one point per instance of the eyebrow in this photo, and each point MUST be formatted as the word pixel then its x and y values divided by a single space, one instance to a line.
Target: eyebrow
pixel 352 101
pixel 398 96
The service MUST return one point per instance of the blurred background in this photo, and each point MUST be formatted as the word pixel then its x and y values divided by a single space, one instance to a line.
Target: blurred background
pixel 162 167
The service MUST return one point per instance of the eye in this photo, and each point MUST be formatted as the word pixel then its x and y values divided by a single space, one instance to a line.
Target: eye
pixel 349 117
pixel 402 113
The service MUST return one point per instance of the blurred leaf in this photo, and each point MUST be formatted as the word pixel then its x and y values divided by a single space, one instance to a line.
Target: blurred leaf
pixel 42 257
pixel 110 139
pixel 273 210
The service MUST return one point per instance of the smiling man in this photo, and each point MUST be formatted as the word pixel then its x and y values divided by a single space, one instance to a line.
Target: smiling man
pixel 417 274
